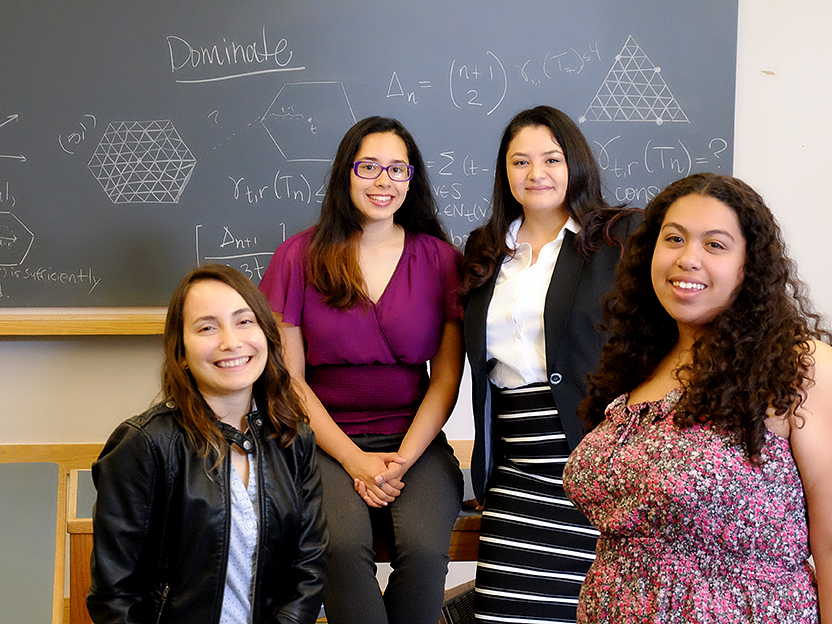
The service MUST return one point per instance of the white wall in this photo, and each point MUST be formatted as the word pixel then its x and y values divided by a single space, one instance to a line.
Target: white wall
pixel 783 135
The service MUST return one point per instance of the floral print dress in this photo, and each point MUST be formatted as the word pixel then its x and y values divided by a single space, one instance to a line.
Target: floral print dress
pixel 690 530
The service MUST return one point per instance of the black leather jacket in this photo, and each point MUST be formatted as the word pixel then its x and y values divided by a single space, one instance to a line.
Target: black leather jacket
pixel 161 526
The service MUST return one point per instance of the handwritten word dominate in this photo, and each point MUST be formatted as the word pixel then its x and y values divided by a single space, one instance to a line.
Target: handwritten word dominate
pixel 257 53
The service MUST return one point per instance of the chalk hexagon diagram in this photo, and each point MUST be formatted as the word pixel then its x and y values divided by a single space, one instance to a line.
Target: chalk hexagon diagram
pixel 142 162
pixel 15 240
pixel 634 90
pixel 306 119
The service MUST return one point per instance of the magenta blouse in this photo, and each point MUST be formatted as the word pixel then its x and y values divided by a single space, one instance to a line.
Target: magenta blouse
pixel 367 364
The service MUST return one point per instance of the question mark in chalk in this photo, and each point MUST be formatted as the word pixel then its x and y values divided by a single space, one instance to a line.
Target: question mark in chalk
pixel 721 149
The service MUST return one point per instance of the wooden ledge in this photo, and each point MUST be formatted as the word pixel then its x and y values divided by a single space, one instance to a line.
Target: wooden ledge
pixel 83 322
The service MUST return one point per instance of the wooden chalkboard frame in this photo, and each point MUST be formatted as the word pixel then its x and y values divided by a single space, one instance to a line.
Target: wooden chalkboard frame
pixel 148 321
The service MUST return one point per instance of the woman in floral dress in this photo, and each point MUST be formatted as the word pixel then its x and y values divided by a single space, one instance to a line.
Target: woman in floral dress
pixel 709 474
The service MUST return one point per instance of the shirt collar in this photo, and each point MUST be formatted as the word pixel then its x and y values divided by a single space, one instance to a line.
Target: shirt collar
pixel 511 236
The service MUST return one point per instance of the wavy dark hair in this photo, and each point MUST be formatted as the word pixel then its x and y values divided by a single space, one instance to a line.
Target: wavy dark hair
pixel 273 391
pixel 486 246
pixel 754 355
pixel 333 261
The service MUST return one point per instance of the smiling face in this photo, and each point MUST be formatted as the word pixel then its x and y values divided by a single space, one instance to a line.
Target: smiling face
pixel 698 261
pixel 225 348
pixel 537 171
pixel 379 199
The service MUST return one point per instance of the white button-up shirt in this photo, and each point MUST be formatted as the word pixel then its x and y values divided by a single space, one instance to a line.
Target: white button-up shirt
pixel 514 326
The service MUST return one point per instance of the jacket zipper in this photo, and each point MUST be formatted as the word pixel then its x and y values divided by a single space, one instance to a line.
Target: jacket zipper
pixel 164 600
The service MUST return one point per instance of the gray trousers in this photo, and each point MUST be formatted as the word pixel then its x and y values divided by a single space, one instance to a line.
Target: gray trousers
pixel 418 526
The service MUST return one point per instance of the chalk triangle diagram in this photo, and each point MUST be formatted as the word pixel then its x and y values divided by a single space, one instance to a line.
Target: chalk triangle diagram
pixel 634 90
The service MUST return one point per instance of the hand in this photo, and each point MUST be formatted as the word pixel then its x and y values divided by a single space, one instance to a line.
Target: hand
pixel 390 488
pixel 365 467
pixel 394 472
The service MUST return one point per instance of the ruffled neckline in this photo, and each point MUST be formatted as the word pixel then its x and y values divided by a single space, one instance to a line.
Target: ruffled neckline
pixel 618 412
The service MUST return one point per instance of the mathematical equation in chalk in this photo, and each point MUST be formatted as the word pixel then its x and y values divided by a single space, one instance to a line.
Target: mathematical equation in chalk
pixel 674 157
pixel 246 251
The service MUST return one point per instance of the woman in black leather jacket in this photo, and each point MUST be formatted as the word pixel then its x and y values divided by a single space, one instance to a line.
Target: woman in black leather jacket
pixel 209 503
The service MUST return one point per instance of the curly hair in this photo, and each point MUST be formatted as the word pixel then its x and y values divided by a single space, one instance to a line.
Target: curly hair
pixel 754 355
pixel 273 391
pixel 486 246
pixel 333 266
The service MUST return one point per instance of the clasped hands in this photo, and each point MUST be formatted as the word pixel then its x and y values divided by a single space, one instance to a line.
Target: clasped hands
pixel 377 477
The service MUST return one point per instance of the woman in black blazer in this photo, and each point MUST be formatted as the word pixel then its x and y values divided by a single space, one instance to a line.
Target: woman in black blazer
pixel 534 276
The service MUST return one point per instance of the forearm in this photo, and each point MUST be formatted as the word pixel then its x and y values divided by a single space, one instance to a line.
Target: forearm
pixel 811 438
pixel 432 415
pixel 823 569
pixel 439 401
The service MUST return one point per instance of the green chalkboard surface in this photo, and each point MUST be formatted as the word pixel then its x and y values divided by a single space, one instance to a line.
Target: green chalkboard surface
pixel 139 139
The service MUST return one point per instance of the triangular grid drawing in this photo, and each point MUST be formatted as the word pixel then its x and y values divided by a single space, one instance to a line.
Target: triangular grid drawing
pixel 634 90
pixel 142 162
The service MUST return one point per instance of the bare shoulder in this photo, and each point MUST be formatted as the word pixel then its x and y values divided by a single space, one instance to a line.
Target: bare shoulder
pixel 822 354
pixel 819 387
pixel 814 416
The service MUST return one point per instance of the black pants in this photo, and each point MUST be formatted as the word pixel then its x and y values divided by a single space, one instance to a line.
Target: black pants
pixel 420 521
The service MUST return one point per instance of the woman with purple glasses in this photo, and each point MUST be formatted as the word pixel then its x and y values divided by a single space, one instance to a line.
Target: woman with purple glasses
pixel 365 299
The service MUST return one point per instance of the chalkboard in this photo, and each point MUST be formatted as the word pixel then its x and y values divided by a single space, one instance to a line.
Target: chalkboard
pixel 140 139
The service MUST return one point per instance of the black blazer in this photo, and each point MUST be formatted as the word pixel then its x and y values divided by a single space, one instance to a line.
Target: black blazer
pixel 573 343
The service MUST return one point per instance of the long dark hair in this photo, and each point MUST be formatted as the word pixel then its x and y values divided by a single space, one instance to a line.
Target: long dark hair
pixel 585 203
pixel 273 391
pixel 754 355
pixel 333 266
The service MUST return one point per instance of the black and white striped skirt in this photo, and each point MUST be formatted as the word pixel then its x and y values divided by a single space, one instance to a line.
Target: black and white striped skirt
pixel 535 546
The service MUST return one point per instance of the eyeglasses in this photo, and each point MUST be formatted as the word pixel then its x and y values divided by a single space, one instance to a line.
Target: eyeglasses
pixel 371 170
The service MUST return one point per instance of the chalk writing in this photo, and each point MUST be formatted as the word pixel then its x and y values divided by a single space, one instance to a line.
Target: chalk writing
pixel 295 187
pixel 457 240
pixel 488 83
pixel 304 119
pixel 244 191
pixel 471 212
pixel 395 89
pixel 19 157
pixel 240 252
pixel 237 243
pixel 15 240
pixel 230 53
pixel 51 276
pixel 6 196
pixel 570 61
pixel 674 156
pixel 443 191
pixel 79 136
pixel 468 166
pixel 453 200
